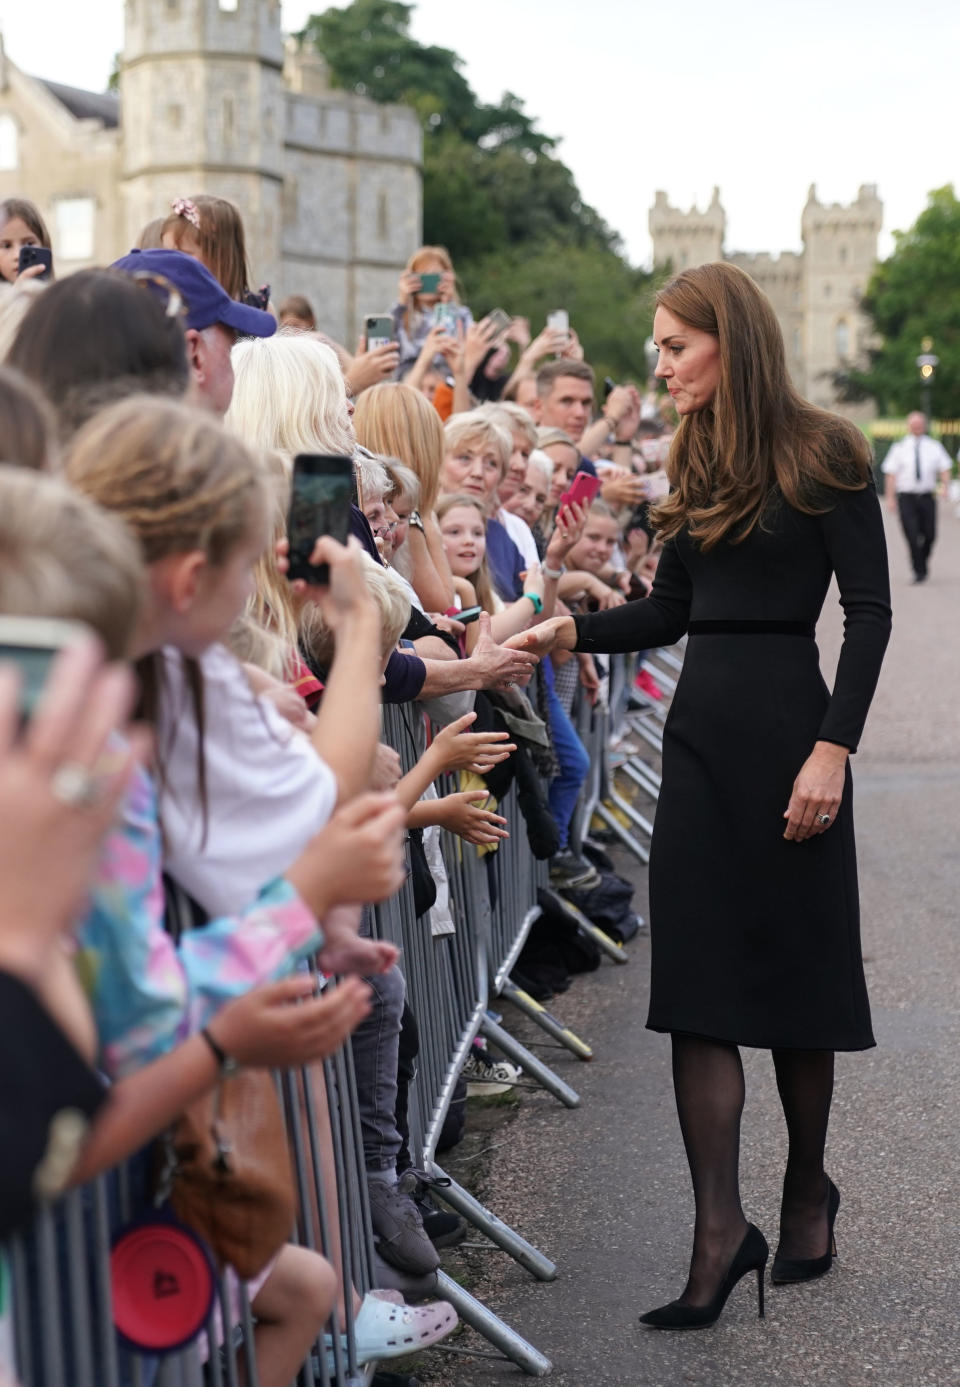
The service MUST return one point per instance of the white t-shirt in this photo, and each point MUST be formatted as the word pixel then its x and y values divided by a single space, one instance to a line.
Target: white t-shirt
pixel 521 534
pixel 901 462
pixel 268 792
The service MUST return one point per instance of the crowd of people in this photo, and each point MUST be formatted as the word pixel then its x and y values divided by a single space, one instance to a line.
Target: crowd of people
pixel 211 729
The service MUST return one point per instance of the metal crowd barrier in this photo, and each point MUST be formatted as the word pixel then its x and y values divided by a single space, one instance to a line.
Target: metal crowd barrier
pixel 63 1326
pixel 61 1293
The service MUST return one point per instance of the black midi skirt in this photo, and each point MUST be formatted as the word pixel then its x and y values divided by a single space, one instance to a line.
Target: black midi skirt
pixel 755 940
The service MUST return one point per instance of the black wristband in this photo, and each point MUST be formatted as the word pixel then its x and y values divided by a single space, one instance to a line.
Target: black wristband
pixel 226 1064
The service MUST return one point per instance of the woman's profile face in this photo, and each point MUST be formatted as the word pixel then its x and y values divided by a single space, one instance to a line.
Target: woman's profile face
pixel 689 362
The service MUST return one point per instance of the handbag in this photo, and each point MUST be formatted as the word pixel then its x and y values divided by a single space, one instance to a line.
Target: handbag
pixel 229 1171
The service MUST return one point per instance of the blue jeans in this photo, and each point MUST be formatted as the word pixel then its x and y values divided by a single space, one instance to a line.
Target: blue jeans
pixel 564 789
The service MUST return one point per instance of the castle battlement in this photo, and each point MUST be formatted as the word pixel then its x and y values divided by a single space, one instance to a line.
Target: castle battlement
pixel 815 292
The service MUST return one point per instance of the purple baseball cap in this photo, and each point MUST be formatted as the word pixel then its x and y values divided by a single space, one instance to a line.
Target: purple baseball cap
pixel 206 299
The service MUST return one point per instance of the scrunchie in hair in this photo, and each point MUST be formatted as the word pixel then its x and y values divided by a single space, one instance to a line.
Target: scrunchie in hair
pixel 183 207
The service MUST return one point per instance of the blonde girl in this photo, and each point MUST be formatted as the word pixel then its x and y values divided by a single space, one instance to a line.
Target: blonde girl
pixel 415 313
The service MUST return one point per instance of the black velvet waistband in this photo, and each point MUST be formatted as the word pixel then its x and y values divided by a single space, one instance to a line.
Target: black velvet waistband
pixel 751 628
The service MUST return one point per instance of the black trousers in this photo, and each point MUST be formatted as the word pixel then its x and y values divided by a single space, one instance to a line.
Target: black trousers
pixel 918 516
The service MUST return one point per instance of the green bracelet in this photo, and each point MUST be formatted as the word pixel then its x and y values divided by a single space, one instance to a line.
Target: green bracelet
pixel 537 601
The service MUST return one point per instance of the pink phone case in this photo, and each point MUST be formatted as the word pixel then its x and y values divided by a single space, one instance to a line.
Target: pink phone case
pixel 582 491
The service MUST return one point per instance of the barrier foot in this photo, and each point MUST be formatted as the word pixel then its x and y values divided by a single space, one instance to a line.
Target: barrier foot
pixel 485 1322
pixel 627 809
pixel 625 836
pixel 529 1257
pixel 546 1020
pixel 609 946
pixel 529 1063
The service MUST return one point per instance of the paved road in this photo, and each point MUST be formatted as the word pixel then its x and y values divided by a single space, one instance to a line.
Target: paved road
pixel 604 1190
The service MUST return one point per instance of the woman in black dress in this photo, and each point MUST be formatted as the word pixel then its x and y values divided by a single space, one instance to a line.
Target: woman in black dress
pixel 753 881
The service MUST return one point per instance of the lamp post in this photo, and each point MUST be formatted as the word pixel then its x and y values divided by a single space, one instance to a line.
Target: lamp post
pixel 927 365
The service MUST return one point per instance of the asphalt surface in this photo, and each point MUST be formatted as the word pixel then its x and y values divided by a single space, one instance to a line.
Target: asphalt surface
pixel 604 1189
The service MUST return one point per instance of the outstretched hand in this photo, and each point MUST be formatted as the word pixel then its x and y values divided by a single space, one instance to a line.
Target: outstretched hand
pixel 559 633
pixel 460 750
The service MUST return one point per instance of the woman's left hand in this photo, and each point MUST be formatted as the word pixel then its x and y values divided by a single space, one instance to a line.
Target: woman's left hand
pixel 817 790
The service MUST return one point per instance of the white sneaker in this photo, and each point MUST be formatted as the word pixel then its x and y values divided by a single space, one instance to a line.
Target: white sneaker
pixel 486 1076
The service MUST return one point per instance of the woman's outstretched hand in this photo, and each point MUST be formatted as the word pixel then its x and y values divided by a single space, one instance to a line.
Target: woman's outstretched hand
pixel 559 633
pixel 817 790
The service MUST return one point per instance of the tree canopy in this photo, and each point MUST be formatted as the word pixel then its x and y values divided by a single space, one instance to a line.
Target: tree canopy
pixel 494 191
pixel 914 294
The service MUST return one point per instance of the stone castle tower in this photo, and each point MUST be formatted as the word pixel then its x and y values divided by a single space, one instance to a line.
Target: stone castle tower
pixel 201 90
pixel 815 292
pixel 213 101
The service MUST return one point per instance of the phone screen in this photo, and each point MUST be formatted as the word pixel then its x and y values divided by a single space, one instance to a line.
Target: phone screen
pixel 468 614
pixel 445 316
pixel 33 662
pixel 320 498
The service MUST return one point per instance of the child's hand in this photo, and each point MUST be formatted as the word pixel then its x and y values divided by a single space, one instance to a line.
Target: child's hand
pixel 457 749
pixel 461 814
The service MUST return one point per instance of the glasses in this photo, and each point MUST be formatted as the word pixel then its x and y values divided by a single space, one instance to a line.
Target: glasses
pixel 166 293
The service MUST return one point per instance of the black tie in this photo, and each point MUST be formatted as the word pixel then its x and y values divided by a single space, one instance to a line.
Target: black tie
pixel 917 460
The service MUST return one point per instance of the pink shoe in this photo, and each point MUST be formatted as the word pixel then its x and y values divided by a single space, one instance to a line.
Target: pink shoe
pixel 648 684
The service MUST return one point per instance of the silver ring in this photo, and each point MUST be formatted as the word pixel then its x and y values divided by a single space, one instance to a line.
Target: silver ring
pixel 823 819
pixel 74 786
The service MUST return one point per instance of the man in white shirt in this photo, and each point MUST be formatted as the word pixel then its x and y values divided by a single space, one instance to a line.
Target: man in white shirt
pixel 915 467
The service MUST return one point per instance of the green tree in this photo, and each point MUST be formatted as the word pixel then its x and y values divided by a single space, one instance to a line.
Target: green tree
pixel 494 192
pixel 913 294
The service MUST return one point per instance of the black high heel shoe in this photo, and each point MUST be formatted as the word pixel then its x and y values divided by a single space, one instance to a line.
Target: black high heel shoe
pixel 788 1270
pixel 751 1255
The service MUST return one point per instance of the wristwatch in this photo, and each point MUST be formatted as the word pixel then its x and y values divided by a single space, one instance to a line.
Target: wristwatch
pixel 537 601
pixel 414 519
pixel 228 1065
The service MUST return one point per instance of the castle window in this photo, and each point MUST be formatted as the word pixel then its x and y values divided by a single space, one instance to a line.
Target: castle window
pixel 841 339
pixel 842 254
pixel 173 6
pixel 827 291
pixel 9 144
pixel 228 120
pixel 174 115
pixel 75 218
pixel 383 216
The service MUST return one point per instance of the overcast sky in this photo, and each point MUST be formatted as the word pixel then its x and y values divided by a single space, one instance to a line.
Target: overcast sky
pixel 762 97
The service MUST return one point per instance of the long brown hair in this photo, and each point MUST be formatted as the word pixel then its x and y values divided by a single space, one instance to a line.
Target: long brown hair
pixel 211 228
pixel 481 580
pixel 758 436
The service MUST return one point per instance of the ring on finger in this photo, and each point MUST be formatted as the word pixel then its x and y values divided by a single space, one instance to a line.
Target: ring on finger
pixel 76 787
pixel 824 820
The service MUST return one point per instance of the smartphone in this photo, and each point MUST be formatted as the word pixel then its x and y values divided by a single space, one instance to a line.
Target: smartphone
pixel 468 614
pixel 581 492
pixel 32 643
pixel 445 316
pixel 500 319
pixel 379 330
pixel 609 386
pixel 320 497
pixel 429 284
pixel 35 255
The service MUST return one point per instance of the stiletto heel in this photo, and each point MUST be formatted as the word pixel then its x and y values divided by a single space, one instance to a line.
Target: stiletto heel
pixel 751 1255
pixel 786 1271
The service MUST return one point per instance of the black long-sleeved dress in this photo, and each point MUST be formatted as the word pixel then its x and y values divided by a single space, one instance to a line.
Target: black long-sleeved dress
pixel 756 940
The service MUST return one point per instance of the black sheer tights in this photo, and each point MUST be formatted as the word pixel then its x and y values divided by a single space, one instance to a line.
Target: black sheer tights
pixel 805 1083
pixel 708 1082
